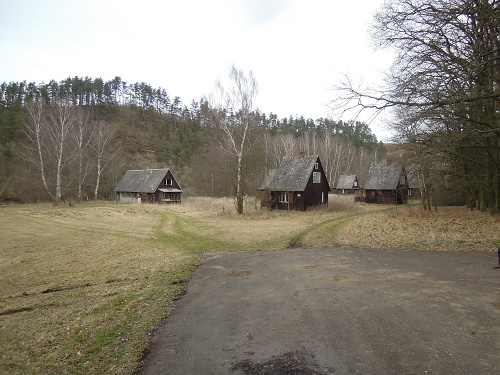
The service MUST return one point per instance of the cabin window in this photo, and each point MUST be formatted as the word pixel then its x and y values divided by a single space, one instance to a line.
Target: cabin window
pixel 283 196
pixel 316 177
pixel 355 183
pixel 316 166
pixel 168 181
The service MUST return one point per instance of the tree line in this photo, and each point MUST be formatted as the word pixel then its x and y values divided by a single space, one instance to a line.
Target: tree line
pixel 89 91
pixel 104 128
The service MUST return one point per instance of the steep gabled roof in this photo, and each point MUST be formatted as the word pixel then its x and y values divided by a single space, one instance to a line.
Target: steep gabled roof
pixel 383 176
pixel 268 179
pixel 141 181
pixel 347 182
pixel 292 174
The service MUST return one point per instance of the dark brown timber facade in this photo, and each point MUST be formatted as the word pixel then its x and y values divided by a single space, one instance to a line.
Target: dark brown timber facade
pixel 298 183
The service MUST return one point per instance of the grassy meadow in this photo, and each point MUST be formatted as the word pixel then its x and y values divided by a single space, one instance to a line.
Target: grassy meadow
pixel 82 287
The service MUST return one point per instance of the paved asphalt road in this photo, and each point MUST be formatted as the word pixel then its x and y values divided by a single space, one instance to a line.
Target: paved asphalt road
pixel 334 311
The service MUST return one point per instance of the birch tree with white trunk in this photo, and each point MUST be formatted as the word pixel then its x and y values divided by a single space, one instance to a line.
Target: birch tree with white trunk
pixel 232 113
pixel 104 147
pixel 48 130
pixel 82 137
pixel 60 126
pixel 36 134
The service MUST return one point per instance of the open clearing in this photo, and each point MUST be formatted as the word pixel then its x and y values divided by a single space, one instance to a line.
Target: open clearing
pixel 82 287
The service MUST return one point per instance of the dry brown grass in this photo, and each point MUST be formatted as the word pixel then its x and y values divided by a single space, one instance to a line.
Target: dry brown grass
pixel 411 227
pixel 74 281
pixel 82 286
pixel 259 224
pixel 256 225
pixel 348 224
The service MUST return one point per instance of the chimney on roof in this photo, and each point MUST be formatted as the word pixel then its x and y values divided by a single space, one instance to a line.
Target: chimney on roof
pixel 302 154
pixel 389 161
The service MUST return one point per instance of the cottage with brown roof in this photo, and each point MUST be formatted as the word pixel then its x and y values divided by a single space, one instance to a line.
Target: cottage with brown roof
pixel 414 184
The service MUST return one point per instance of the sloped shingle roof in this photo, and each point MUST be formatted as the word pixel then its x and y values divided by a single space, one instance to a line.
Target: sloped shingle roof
pixel 141 181
pixel 347 182
pixel 383 176
pixel 292 174
pixel 268 179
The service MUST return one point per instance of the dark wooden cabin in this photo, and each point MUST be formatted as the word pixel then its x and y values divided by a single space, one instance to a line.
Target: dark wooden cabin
pixel 386 184
pixel 148 186
pixel 414 189
pixel 298 183
pixel 348 184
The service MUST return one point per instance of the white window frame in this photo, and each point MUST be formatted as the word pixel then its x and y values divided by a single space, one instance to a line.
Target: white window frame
pixel 169 181
pixel 283 197
pixel 316 177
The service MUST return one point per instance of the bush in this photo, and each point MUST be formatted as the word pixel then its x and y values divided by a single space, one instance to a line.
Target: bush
pixel 450 198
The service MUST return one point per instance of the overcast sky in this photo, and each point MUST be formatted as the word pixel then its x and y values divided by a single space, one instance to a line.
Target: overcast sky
pixel 297 49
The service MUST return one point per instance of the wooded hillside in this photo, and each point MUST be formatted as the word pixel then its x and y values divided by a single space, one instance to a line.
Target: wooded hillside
pixel 101 129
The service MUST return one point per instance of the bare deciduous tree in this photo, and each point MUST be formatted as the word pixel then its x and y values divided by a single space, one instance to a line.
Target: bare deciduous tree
pixel 104 147
pixel 49 129
pixel 36 134
pixel 82 136
pixel 232 112
pixel 444 85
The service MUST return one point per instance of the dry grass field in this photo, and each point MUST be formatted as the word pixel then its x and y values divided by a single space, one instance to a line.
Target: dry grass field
pixel 83 286
pixel 348 224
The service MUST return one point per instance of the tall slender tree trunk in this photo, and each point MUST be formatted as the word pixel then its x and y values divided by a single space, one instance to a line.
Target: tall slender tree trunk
pixel 239 185
pixel 98 178
pixel 36 132
pixel 41 164
pixel 58 195
pixel 80 180
pixel 233 116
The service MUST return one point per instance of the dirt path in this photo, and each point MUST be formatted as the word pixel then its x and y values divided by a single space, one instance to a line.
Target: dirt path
pixel 341 311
